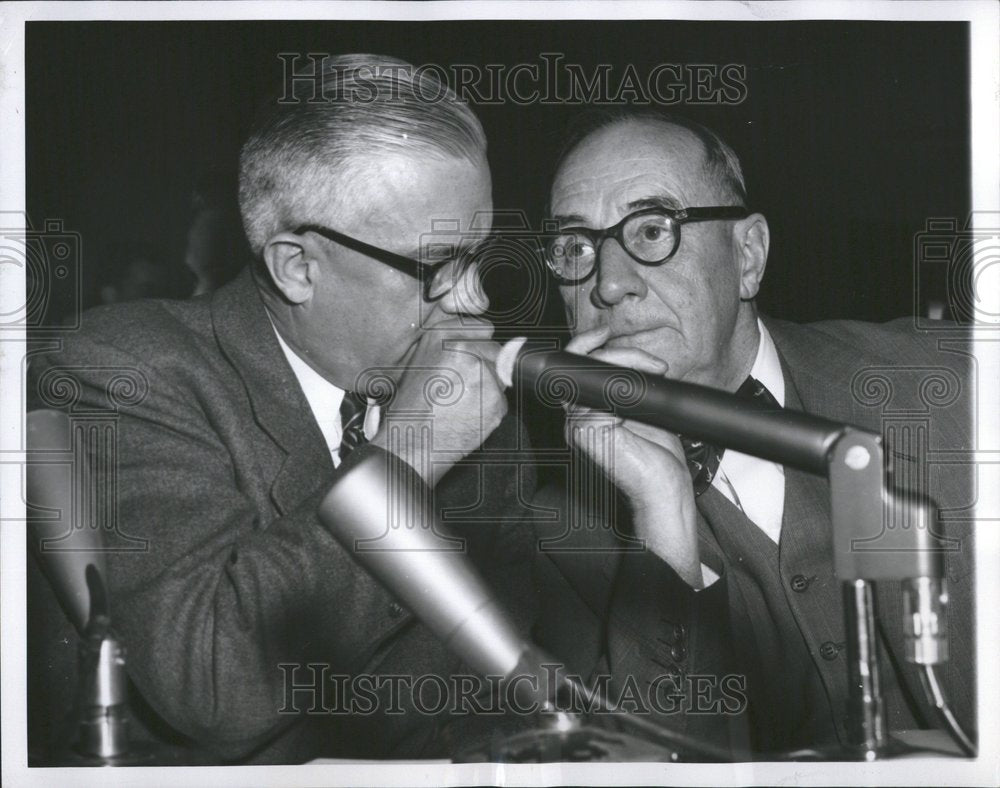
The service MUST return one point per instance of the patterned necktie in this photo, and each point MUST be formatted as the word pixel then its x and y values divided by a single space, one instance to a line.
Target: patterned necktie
pixel 702 458
pixel 352 420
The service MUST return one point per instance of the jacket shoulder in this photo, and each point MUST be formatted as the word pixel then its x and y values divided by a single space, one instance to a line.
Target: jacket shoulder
pixel 125 347
pixel 895 342
pixel 146 328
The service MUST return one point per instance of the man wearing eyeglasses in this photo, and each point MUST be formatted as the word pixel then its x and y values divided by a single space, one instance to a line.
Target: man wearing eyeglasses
pixel 726 622
pixel 245 620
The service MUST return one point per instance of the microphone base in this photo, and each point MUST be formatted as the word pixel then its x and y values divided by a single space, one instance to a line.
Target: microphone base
pixel 582 744
pixel 142 753
pixel 890 748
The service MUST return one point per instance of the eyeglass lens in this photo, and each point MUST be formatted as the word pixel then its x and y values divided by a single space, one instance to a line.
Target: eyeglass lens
pixel 650 237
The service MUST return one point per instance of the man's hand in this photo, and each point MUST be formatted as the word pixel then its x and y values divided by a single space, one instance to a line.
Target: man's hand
pixel 647 464
pixel 449 386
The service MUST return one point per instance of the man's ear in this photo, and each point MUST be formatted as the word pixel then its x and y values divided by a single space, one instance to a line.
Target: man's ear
pixel 752 237
pixel 291 266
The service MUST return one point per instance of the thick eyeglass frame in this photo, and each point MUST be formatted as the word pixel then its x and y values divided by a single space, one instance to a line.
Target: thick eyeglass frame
pixel 419 270
pixel 677 217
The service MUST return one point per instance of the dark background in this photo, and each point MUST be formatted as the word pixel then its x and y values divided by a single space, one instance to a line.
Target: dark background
pixel 852 134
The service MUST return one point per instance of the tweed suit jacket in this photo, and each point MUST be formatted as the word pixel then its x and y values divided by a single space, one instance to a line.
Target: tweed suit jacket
pixel 222 571
pixel 609 606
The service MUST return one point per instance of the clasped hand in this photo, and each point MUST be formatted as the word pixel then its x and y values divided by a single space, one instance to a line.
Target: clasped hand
pixel 645 463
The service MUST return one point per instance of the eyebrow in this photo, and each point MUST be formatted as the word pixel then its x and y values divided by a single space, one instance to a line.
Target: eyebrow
pixel 569 218
pixel 656 201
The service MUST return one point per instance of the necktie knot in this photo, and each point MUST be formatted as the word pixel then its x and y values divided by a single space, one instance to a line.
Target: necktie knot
pixel 703 459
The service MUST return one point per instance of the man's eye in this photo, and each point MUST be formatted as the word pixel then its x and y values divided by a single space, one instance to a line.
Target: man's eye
pixel 577 247
pixel 651 232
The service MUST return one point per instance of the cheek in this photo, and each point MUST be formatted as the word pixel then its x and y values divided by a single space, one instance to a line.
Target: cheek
pixel 580 312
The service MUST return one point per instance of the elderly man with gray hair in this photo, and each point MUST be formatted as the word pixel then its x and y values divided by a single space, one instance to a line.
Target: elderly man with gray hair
pixel 246 622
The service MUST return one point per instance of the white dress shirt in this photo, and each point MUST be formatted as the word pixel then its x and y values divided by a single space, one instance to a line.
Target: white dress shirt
pixel 324 400
pixel 756 486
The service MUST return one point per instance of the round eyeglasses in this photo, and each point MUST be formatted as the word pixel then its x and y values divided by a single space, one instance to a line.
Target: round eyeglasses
pixel 650 236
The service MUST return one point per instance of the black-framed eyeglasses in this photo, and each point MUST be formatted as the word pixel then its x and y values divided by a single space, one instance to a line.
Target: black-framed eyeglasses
pixel 650 236
pixel 437 278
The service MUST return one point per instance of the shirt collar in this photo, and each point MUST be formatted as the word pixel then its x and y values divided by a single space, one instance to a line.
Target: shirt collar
pixel 318 390
pixel 324 400
pixel 767 366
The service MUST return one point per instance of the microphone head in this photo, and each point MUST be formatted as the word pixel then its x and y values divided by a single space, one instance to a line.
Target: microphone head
pixel 378 510
pixel 65 544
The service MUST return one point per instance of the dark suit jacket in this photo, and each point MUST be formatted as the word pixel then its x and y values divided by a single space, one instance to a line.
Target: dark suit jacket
pixel 609 607
pixel 220 570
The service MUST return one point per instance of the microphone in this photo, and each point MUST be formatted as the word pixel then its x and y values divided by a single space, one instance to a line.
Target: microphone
pixel 70 551
pixel 788 437
pixel 557 377
pixel 64 544
pixel 378 510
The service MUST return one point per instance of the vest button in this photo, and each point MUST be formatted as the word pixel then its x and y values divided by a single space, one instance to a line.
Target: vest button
pixel 799 583
pixel 673 634
pixel 829 651
pixel 677 653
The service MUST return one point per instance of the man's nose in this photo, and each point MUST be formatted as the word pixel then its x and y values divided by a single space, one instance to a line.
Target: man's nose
pixel 467 297
pixel 618 276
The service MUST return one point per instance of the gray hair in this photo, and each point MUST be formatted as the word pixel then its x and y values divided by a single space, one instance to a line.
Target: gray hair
pixel 721 162
pixel 292 168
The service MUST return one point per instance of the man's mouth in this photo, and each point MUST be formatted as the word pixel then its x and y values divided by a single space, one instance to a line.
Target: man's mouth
pixel 631 338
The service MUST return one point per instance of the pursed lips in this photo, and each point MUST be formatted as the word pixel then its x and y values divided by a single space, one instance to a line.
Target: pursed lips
pixel 628 338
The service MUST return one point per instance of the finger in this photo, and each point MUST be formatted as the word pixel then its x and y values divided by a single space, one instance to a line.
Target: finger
pixel 480 348
pixel 633 358
pixel 662 438
pixel 582 416
pixel 588 340
pixel 447 335
pixel 592 435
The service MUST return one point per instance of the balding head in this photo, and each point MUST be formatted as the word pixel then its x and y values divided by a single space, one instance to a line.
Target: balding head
pixel 720 163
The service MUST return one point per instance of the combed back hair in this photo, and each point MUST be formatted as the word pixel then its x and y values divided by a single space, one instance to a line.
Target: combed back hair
pixel 292 167
pixel 721 162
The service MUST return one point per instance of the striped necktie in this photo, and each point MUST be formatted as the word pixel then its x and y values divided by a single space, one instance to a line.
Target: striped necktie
pixel 702 458
pixel 352 420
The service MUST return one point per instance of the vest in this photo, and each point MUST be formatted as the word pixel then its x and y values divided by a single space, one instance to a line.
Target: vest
pixel 786 617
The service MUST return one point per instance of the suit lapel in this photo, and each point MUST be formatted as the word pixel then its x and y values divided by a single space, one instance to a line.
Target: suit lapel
pixel 246 336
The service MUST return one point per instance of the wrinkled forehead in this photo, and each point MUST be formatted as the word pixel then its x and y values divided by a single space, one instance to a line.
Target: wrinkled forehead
pixel 417 176
pixel 627 163
pixel 419 193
